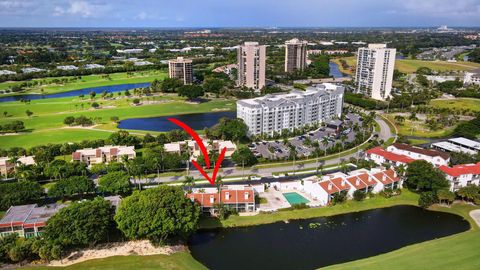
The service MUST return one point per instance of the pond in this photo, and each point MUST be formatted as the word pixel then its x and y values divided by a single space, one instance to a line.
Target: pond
pixel 196 121
pixel 318 242
pixel 74 93
pixel 335 71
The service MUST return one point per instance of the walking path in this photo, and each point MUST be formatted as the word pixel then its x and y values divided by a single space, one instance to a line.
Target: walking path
pixel 475 214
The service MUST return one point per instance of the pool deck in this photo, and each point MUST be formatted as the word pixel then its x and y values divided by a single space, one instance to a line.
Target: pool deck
pixel 276 200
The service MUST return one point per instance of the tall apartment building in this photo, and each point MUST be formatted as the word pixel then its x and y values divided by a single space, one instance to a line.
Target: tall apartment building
pixel 181 69
pixel 374 75
pixel 275 113
pixel 251 65
pixel 295 55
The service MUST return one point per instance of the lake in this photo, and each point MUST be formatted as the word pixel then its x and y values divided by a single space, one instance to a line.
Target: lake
pixel 196 121
pixel 318 242
pixel 75 93
pixel 335 71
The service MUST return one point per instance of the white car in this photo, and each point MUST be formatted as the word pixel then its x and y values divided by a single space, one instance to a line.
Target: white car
pixel 255 177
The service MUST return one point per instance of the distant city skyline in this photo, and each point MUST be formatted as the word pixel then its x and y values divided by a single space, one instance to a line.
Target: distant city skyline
pixel 246 13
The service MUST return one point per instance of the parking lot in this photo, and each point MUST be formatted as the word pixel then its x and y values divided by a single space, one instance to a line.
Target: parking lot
pixel 278 150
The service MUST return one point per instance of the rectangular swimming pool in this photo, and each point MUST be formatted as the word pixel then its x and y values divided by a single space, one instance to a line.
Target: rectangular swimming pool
pixel 295 198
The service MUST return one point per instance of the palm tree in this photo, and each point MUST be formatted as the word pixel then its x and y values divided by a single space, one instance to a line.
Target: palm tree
pixel 189 182
pixel 325 143
pixel 14 161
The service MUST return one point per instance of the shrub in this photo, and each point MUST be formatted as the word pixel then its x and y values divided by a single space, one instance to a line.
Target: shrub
pixel 427 199
pixel 359 195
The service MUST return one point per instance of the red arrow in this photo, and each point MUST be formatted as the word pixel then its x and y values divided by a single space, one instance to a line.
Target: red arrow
pixel 195 136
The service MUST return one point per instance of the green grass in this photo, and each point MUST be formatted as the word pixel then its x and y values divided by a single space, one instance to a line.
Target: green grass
pixel 417 141
pixel 406 198
pixel 420 129
pixel 410 66
pixel 176 261
pixel 47 123
pixel 459 251
pixel 90 81
pixel 472 104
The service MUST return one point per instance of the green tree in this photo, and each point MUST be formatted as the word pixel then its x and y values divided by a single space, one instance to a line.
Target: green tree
pixel 115 183
pixel 190 91
pixel 170 85
pixel 81 223
pixel 445 195
pixel 427 199
pixel 72 186
pixel 213 85
pixel 16 193
pixel 421 175
pixel 158 214
pixel 469 192
pixel 244 156
pixel 359 195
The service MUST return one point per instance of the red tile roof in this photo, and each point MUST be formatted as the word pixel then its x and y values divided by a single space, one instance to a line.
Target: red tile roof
pixel 356 182
pixel 235 196
pixel 329 187
pixel 389 155
pixel 341 184
pixel 382 178
pixel 98 152
pixel 458 170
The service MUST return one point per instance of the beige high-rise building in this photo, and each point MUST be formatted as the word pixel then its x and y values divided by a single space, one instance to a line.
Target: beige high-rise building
pixel 374 74
pixel 251 65
pixel 181 69
pixel 295 55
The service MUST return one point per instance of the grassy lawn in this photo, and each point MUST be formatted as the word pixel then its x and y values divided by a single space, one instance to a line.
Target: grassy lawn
pixel 47 123
pixel 419 129
pixel 410 66
pixel 472 104
pixel 90 81
pixel 406 198
pixel 417 141
pixel 458 251
pixel 176 261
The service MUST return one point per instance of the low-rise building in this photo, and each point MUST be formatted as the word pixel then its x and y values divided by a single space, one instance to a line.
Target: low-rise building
pixel 32 70
pixel 6 164
pixel 462 175
pixel 472 77
pixel 7 72
pixel 435 157
pixel 69 67
pixel 30 220
pixel 238 198
pixel 194 148
pixel 103 154
pixel 459 145
pixel 380 156
pixel 93 66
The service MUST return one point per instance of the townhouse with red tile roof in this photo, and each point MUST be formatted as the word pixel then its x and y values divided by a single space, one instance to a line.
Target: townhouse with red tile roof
pixel 381 156
pixel 462 175
pixel 238 198
pixel 437 158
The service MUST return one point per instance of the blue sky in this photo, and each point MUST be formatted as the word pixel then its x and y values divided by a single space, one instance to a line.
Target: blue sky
pixel 238 13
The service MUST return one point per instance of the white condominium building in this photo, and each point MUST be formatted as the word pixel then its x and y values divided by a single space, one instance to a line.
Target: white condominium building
pixel 275 113
pixel 181 69
pixel 295 55
pixel 251 65
pixel 374 75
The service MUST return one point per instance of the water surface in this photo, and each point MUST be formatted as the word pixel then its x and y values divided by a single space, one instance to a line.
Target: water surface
pixel 319 242
pixel 196 121
pixel 74 93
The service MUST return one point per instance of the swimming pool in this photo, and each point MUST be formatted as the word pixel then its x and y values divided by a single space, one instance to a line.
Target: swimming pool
pixel 295 198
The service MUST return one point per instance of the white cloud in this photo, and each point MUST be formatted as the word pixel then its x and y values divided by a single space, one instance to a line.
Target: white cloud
pixel 142 16
pixel 81 8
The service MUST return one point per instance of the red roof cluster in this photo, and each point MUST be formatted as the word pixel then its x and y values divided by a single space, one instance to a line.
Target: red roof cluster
pixel 458 170
pixel 234 197
pixel 389 155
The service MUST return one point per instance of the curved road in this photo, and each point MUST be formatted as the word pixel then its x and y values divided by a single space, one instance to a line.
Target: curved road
pixel 384 134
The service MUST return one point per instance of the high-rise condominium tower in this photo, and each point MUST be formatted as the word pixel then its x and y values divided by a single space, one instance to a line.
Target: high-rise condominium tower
pixel 181 69
pixel 374 75
pixel 295 55
pixel 251 65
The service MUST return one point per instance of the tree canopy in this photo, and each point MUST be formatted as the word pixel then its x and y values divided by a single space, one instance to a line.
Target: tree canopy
pixel 421 175
pixel 72 186
pixel 244 156
pixel 17 193
pixel 81 223
pixel 158 214
pixel 115 183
